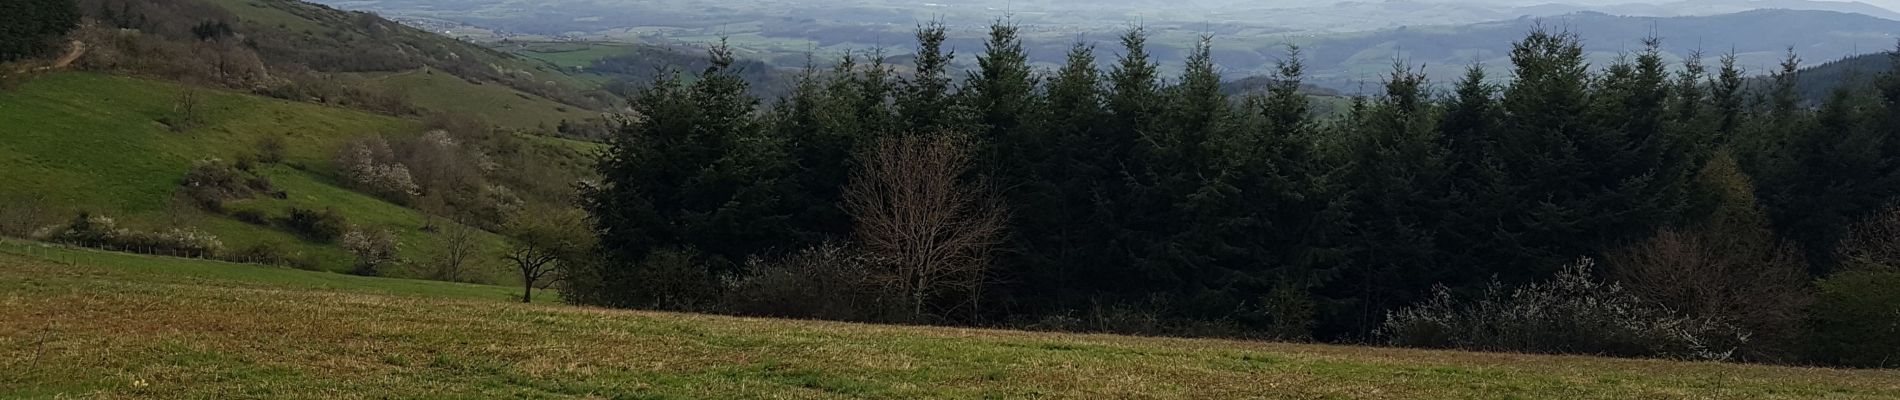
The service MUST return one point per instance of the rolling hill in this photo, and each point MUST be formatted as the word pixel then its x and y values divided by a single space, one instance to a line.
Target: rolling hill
pixel 83 142
pixel 1758 38
pixel 118 139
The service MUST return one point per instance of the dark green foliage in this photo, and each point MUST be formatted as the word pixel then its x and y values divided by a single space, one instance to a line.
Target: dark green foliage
pixel 1059 192
pixel 29 28
pixel 697 176
pixel 1399 204
pixel 1822 170
pixel 1145 204
pixel 925 106
pixel 322 226
pixel 1857 320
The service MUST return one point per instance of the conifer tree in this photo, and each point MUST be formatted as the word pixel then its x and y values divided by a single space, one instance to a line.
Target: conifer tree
pixel 1398 202
pixel 1282 244
pixel 1060 213
pixel 925 105
pixel 1584 164
pixel 696 177
pixel 1726 92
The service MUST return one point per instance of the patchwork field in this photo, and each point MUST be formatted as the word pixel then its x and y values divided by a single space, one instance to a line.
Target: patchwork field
pixel 86 324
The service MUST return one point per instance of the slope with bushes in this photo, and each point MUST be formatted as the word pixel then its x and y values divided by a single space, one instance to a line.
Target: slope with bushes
pixel 83 142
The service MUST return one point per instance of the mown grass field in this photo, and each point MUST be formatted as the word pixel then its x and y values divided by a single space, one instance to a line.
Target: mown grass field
pixel 83 142
pixel 83 324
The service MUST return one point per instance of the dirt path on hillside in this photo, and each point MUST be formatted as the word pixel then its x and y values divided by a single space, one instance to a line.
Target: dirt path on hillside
pixel 76 50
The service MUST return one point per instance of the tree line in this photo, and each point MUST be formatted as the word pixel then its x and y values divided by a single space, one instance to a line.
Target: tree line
pixel 1123 200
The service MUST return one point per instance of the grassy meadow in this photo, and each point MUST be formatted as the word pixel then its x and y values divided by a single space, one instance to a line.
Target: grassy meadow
pixel 495 103
pixel 88 324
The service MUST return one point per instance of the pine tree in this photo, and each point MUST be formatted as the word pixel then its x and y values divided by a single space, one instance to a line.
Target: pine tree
pixel 1133 104
pixel 1585 165
pixel 1725 91
pixel 1181 161
pixel 1282 243
pixel 925 105
pixel 696 177
pixel 1061 214
pixel 821 138
pixel 1398 202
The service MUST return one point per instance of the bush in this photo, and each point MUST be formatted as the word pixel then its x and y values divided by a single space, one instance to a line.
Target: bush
pixel 103 232
pixel 1857 320
pixel 321 226
pixel 828 281
pixel 251 216
pixel 372 249
pixel 370 165
pixel 267 253
pixel 1570 314
pixel 1760 285
pixel 24 218
pixel 270 150
pixel 210 182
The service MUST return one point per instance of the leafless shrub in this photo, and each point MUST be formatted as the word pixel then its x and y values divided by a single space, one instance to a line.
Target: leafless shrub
pixel 830 281
pixel 1874 244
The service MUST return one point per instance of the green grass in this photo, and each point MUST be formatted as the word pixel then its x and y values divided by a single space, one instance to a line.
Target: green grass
pixel 93 143
pixel 96 325
pixel 496 103
pixel 183 271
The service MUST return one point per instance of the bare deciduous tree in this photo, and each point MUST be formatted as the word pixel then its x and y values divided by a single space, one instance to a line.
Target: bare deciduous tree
pixel 930 227
pixel 459 247
pixel 543 239
pixel 20 217
pixel 1729 268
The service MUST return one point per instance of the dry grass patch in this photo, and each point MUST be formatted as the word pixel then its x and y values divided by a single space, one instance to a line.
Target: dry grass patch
pixel 90 332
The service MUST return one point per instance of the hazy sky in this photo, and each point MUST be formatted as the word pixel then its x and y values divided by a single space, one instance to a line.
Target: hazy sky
pixel 1887 4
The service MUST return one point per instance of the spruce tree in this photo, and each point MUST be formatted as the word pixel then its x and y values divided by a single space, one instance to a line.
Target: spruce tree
pixel 1062 214
pixel 697 180
pixel 1585 164
pixel 1281 247
pixel 1398 202
pixel 925 106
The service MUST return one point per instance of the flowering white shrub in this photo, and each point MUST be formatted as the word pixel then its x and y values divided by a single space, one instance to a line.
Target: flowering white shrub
pixel 1571 314
pixel 371 248
pixel 370 165
pixel 102 231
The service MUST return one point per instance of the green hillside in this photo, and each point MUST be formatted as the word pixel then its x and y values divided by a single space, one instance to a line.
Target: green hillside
pixel 192 329
pixel 495 103
pixel 83 142
pixel 433 73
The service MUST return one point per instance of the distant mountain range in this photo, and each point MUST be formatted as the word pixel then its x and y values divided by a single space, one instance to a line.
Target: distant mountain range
pixel 1710 7
pixel 1758 38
